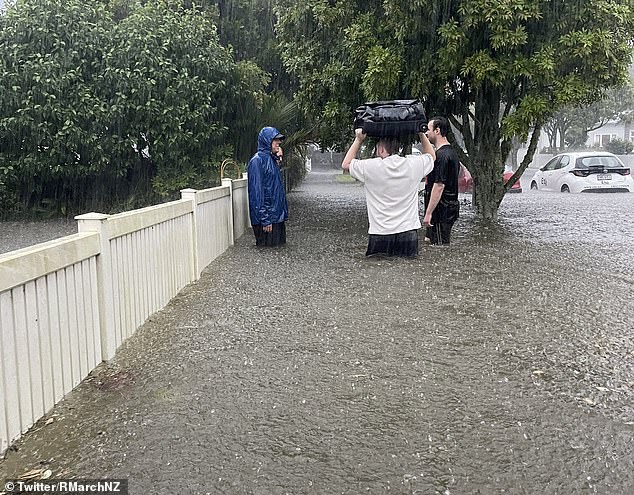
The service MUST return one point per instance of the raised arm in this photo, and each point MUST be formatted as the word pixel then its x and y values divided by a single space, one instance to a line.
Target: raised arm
pixel 351 154
pixel 426 145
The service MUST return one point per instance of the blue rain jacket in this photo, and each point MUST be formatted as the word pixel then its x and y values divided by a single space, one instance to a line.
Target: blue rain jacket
pixel 267 198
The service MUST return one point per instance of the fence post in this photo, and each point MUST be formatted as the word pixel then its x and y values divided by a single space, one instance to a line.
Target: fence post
pixel 98 222
pixel 229 182
pixel 191 194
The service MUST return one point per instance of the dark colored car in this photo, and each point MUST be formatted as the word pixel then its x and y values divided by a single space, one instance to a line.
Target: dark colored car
pixel 515 188
pixel 465 181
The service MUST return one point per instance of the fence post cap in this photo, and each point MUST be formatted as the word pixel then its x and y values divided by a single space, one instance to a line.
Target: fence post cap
pixel 92 216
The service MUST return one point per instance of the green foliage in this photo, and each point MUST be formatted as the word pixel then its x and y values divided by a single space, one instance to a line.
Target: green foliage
pixel 103 100
pixel 285 115
pixel 620 147
pixel 326 52
pixel 8 198
pixel 168 82
pixel 247 28
pixel 379 78
pixel 497 68
pixel 48 102
pixel 245 112
pixel 571 124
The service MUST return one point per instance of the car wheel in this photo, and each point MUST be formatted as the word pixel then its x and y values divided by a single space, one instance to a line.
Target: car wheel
pixel 534 186
pixel 565 189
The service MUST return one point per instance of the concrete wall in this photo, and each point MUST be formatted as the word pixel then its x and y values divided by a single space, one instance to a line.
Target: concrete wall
pixel 68 304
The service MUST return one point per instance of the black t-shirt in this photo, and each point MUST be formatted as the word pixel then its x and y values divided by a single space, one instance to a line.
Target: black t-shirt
pixel 446 170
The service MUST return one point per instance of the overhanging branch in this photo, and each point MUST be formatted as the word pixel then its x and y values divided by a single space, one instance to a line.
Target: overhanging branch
pixel 530 152
pixel 465 131
pixel 505 148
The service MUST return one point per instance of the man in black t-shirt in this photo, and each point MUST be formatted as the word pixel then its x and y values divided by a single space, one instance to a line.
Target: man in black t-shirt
pixel 441 191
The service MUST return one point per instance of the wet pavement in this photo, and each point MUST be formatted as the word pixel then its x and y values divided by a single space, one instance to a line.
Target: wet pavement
pixel 501 364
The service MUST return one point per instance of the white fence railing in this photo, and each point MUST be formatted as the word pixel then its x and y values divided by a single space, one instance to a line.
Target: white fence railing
pixel 68 304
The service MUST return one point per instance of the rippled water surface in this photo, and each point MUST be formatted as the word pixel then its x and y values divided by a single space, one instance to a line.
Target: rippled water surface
pixel 500 364
pixel 18 235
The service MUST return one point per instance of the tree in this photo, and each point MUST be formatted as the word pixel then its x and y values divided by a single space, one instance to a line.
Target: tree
pixel 109 100
pixel 169 84
pixel 247 27
pixel 48 105
pixel 570 125
pixel 497 68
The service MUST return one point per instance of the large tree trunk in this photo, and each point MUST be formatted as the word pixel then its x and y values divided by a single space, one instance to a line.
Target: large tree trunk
pixel 486 157
pixel 487 152
pixel 487 183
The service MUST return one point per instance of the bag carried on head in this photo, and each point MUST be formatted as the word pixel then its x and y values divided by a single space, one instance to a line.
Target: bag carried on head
pixel 390 118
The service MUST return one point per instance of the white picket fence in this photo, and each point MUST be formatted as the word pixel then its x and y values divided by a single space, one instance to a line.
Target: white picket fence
pixel 68 304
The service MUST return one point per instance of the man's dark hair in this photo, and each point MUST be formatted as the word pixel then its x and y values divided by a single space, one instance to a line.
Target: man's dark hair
pixel 442 124
pixel 391 144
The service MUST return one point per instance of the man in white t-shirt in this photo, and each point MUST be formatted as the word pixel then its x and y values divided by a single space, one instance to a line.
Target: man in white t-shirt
pixel 391 191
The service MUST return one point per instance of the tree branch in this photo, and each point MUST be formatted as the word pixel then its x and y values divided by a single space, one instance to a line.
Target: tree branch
pixel 456 123
pixel 464 129
pixel 528 158
pixel 505 148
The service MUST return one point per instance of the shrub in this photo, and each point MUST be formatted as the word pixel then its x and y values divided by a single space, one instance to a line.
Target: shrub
pixel 620 147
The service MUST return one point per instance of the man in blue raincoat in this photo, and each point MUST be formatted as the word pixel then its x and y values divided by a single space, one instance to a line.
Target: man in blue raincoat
pixel 268 209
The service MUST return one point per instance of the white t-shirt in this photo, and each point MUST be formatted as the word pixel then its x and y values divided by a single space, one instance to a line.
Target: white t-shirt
pixel 391 190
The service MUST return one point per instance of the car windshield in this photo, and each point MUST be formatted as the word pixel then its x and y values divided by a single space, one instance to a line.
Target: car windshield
pixel 598 161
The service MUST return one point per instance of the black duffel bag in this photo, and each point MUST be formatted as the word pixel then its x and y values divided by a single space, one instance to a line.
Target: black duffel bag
pixel 391 118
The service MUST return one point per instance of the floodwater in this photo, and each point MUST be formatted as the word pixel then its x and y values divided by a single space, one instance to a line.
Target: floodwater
pixel 501 364
pixel 17 235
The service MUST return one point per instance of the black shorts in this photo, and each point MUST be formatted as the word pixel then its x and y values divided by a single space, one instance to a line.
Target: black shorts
pixel 276 237
pixel 401 244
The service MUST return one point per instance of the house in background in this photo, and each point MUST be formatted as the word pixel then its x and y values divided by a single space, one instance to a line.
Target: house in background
pixel 598 138
pixel 610 131
pixel 622 129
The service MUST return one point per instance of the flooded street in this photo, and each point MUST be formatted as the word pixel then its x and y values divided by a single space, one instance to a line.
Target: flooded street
pixel 17 235
pixel 501 364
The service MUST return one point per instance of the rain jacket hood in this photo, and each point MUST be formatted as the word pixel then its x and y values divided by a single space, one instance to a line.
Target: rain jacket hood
pixel 267 197
pixel 265 138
